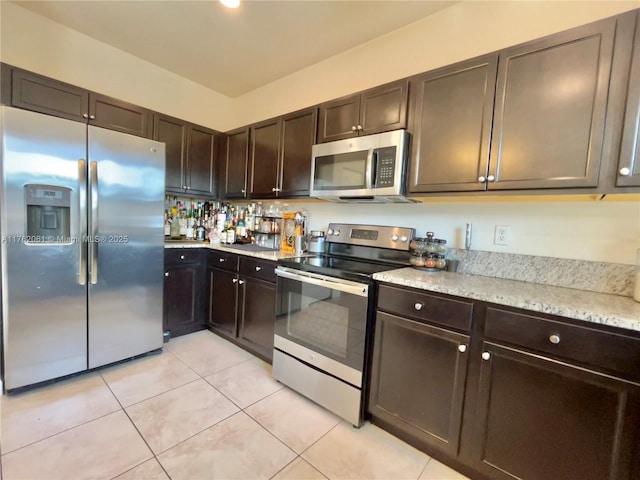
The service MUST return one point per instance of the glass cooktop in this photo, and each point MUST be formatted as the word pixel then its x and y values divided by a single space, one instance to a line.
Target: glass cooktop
pixel 340 267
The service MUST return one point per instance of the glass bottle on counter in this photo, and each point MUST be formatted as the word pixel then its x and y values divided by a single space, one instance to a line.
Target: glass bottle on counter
pixel 175 228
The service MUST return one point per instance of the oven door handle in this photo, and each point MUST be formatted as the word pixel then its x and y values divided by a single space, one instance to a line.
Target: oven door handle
pixel 346 286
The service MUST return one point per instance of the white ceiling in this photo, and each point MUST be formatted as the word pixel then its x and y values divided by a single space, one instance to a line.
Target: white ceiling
pixel 234 51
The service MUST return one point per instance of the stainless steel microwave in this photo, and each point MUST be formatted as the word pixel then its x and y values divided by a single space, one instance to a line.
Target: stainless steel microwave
pixel 370 168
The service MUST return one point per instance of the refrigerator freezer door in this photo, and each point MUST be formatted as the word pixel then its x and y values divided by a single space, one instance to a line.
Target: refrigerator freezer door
pixel 126 197
pixel 44 304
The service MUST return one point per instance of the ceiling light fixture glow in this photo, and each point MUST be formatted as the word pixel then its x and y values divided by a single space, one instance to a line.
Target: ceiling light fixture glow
pixel 230 3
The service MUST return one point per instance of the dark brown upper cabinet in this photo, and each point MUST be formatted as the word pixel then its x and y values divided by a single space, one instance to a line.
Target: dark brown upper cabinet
pixel 297 136
pixel 264 158
pixel 52 97
pixel 376 110
pixel 190 155
pixel 628 174
pixel 549 116
pixel 451 125
pixel 280 155
pixel 235 163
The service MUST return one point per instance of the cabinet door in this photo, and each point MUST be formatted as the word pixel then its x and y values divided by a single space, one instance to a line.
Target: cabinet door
pixel 417 381
pixel 182 299
pixel 45 95
pixel 173 133
pixel 257 303
pixel 235 168
pixel 298 134
pixel 451 127
pixel 339 119
pixel 384 108
pixel 264 153
pixel 541 419
pixel 200 158
pixel 629 166
pixel 222 294
pixel 550 106
pixel 113 114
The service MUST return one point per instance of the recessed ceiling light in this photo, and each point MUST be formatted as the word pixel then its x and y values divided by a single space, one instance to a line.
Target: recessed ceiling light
pixel 230 3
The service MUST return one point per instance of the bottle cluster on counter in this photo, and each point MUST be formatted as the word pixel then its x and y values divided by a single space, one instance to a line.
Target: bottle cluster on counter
pixel 428 253
pixel 219 222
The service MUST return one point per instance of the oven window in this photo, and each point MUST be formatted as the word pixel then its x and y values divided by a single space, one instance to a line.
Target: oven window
pixel 344 171
pixel 327 321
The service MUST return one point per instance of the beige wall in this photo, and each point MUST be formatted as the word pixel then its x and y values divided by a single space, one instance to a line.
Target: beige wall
pixel 590 230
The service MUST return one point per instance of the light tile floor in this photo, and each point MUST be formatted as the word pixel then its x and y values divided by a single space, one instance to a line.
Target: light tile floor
pixel 202 409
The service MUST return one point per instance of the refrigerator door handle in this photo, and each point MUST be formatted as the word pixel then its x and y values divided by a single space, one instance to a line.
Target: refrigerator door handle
pixel 82 221
pixel 93 223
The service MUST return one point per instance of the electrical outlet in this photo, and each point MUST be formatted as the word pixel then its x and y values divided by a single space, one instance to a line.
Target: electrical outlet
pixel 502 235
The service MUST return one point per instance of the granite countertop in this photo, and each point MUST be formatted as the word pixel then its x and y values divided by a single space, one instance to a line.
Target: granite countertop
pixel 613 310
pixel 248 249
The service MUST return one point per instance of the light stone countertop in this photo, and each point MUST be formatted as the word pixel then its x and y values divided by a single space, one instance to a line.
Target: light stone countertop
pixel 273 255
pixel 612 310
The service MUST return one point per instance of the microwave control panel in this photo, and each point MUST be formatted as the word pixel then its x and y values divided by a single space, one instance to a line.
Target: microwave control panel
pixel 386 167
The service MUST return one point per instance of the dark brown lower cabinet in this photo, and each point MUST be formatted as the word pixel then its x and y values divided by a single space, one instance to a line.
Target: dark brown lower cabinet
pixel 241 294
pixel 418 379
pixel 543 419
pixel 502 393
pixel 183 279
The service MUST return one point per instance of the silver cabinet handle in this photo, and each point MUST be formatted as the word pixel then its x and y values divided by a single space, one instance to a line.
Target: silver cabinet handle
pixel 166 274
pixel 241 282
pixel 181 257
pixel 482 179
pixel 418 306
pixel 234 280
pixel 491 178
pixel 274 189
pixel 92 117
pixel 258 269
pixel 221 260
pixel 354 128
pixel 243 191
pixel 85 115
pixel 93 223
pixel 462 348
pixel 625 172
pixel 555 338
pixel 184 186
pixel 486 355
pixel 359 127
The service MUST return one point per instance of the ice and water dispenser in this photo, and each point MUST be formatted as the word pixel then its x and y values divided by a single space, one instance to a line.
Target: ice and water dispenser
pixel 48 213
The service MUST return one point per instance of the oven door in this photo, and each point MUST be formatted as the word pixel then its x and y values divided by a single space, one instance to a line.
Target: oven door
pixel 322 321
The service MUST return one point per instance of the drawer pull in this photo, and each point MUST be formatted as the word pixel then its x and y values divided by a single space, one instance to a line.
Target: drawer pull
pixel 555 339
pixel 418 306
pixel 462 348
pixel 166 274
pixel 486 355
pixel 221 260
pixel 241 282
pixel 258 269
pixel 234 280
pixel 181 257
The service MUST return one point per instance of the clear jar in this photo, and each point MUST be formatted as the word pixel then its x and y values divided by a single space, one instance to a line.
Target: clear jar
pixel 418 245
pixel 441 263
pixel 430 261
pixel 416 261
pixel 441 247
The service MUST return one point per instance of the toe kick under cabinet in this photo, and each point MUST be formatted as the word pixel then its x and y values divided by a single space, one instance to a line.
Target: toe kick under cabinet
pixel 503 393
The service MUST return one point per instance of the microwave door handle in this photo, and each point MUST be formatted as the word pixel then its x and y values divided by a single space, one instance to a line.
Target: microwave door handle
pixel 368 180
pixel 374 168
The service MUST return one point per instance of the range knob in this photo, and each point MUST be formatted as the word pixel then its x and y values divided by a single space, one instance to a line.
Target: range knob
pixel 336 233
pixel 394 238
pixel 404 239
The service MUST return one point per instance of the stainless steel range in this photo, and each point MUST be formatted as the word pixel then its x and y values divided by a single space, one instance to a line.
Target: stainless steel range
pixel 324 314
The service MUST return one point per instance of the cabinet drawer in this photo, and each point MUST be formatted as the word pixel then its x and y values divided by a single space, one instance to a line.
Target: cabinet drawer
pixel 223 260
pixel 262 269
pixel 182 255
pixel 426 307
pixel 604 350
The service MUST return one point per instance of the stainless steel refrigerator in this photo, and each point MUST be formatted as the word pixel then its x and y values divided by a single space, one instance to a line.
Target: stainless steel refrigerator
pixel 82 246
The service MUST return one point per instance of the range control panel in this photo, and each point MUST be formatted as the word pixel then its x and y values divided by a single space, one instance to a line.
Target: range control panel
pixel 397 238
